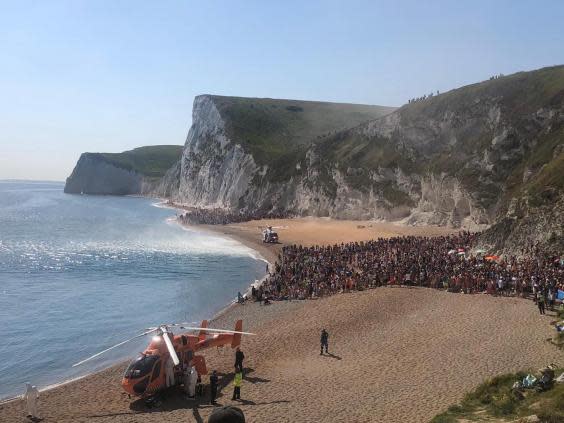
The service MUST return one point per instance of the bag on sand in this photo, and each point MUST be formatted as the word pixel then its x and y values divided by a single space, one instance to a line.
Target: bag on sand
pixel 529 381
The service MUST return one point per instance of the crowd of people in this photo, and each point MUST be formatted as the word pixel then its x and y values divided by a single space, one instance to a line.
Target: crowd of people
pixel 441 262
pixel 220 216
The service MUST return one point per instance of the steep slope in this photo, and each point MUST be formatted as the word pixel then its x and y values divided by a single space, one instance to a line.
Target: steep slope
pixel 243 152
pixel 137 171
pixel 470 157
pixel 487 153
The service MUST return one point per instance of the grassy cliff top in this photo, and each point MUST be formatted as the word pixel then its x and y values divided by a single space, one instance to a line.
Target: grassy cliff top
pixel 272 128
pixel 519 94
pixel 152 161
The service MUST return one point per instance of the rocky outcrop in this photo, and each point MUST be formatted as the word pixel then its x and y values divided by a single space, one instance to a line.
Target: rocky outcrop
pixel 444 201
pixel 525 226
pixel 151 170
pixel 214 170
pixel 94 175
pixel 165 187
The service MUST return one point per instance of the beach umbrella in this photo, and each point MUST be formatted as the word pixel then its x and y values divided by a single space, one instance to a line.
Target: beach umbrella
pixel 451 252
pixel 480 251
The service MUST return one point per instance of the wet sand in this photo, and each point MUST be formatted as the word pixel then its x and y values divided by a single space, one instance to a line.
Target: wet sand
pixel 397 354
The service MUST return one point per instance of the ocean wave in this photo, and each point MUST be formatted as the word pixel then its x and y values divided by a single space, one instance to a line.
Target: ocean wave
pixel 102 268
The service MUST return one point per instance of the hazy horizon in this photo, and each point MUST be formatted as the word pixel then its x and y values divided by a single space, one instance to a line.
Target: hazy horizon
pixel 108 77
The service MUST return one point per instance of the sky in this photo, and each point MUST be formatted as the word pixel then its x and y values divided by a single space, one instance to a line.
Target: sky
pixel 109 76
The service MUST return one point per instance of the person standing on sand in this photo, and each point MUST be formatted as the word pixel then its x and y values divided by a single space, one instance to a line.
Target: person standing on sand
pixel 540 302
pixel 31 397
pixel 324 341
pixel 237 385
pixel 186 379
pixel 192 380
pixel 169 372
pixel 239 357
pixel 214 382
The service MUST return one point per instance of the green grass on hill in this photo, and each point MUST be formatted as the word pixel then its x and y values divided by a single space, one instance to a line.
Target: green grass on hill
pixel 520 93
pixel 151 161
pixel 271 129
pixel 495 401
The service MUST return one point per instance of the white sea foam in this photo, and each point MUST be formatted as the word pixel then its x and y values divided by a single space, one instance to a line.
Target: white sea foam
pixel 90 264
pixel 212 243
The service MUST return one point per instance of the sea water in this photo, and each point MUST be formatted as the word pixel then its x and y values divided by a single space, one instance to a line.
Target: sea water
pixel 81 273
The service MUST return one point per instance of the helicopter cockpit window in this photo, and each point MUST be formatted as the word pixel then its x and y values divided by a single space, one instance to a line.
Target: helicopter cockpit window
pixel 141 366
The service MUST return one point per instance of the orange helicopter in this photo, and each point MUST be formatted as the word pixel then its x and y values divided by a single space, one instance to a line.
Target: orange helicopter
pixel 147 374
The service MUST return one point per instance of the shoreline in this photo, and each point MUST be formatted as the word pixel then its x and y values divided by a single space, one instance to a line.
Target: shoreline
pixel 264 254
pixel 216 314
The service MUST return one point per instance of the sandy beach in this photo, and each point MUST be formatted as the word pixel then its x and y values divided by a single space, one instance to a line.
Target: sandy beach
pixel 397 354
pixel 310 231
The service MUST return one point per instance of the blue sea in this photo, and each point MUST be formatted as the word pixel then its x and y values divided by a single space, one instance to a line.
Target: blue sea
pixel 80 273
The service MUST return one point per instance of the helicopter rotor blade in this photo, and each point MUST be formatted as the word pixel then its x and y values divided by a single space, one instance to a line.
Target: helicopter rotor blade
pixel 114 346
pixel 217 330
pixel 169 346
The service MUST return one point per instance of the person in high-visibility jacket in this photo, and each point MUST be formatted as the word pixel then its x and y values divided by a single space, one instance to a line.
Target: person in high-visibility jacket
pixel 237 385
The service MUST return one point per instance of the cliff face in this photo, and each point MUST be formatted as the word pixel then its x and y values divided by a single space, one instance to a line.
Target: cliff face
pixel 145 170
pixel 214 170
pixel 93 175
pixel 459 159
pixel 245 153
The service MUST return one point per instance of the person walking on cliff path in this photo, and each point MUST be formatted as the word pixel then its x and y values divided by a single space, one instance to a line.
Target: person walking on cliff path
pixel 324 341
pixel 237 385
